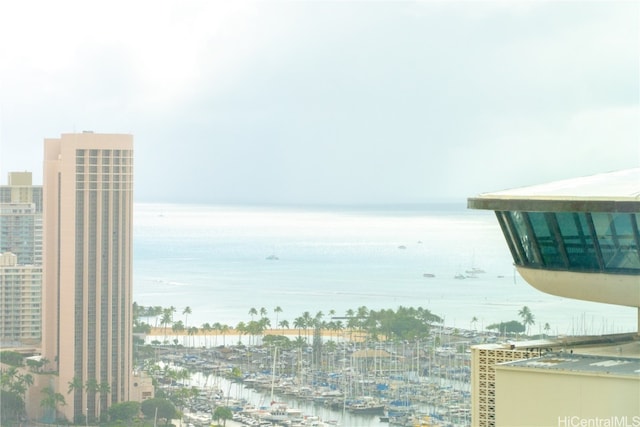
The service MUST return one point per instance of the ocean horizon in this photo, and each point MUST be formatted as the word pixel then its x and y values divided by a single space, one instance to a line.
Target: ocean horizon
pixel 223 260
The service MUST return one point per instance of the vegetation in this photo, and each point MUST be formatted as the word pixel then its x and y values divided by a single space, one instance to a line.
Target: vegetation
pixel 401 324
pixel 222 413
pixel 159 408
pixel 125 411
pixel 11 407
pixel 512 326
pixel 50 402
pixel 11 358
pixel 527 317
pixel 14 388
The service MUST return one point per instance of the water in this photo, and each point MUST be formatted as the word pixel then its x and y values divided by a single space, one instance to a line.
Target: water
pixel 258 399
pixel 213 259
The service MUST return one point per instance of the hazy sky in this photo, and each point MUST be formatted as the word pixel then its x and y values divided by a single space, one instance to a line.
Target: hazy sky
pixel 327 101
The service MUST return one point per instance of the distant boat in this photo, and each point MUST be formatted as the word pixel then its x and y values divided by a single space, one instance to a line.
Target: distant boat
pixel 428 275
pixel 402 247
pixel 272 258
pixel 475 270
pixel 460 276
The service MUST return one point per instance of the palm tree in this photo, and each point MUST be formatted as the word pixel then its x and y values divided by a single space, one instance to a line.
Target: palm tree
pixel 474 320
pixel 206 328
pixel 277 311
pixel 104 389
pixel 253 312
pixel 186 312
pixel 75 384
pixel 191 332
pixel 216 327
pixel 527 317
pixel 299 324
pixel 51 400
pixel 166 320
pixel 92 387
pixel 308 322
pixel 222 413
pixel 284 324
pixel 157 312
pixel 241 327
pixel 224 329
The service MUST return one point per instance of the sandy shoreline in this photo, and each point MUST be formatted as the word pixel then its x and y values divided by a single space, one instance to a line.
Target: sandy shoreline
pixel 287 332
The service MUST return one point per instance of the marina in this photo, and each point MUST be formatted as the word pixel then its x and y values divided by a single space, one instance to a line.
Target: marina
pixel 357 384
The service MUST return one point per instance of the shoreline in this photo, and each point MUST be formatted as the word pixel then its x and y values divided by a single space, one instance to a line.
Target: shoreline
pixel 155 332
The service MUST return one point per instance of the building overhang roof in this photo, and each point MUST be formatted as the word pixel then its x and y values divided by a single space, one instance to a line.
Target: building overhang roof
pixel 607 192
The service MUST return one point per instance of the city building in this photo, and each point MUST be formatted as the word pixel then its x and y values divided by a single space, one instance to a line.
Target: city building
pixel 87 310
pixel 20 302
pixel 21 218
pixel 576 238
pixel 20 261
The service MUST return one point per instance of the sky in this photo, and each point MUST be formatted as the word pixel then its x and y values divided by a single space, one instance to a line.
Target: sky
pixel 327 102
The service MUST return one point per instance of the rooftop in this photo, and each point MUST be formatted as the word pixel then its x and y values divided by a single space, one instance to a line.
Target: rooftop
pixel 606 192
pixel 620 366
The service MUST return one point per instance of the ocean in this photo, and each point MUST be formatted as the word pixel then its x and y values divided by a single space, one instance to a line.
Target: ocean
pixel 224 261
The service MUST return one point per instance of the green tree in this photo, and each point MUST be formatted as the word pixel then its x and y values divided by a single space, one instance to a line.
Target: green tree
pixel 103 389
pixel 159 408
pixel 192 331
pixel 166 320
pixel 206 329
pixel 124 411
pixel 91 386
pixel 277 311
pixel 224 329
pixel 474 321
pixel 12 358
pixel 50 402
pixel 186 312
pixel 222 413
pixel 11 406
pixel 280 341
pixel 527 317
pixel 74 385
pixel 512 326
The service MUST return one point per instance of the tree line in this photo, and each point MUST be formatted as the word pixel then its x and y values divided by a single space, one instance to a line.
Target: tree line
pixel 399 324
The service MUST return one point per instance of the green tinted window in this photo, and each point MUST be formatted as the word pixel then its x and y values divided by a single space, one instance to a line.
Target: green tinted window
pixel 547 241
pixel 617 240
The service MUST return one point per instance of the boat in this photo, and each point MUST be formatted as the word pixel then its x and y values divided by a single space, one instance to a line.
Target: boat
pixel 428 275
pixel 272 258
pixel 369 406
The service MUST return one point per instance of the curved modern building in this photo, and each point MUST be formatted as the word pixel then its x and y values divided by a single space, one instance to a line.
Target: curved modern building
pixel 579 239
pixel 576 238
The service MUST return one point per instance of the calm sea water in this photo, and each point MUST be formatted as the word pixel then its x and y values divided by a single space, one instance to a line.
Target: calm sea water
pixel 214 259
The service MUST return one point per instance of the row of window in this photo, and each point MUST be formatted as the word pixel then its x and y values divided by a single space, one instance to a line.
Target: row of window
pixel 576 241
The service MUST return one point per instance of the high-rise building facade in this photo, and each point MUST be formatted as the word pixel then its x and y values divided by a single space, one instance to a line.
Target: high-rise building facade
pixel 20 302
pixel 21 218
pixel 20 261
pixel 87 327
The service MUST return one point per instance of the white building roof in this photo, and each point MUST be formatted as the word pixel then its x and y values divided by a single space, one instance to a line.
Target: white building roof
pixel 610 192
